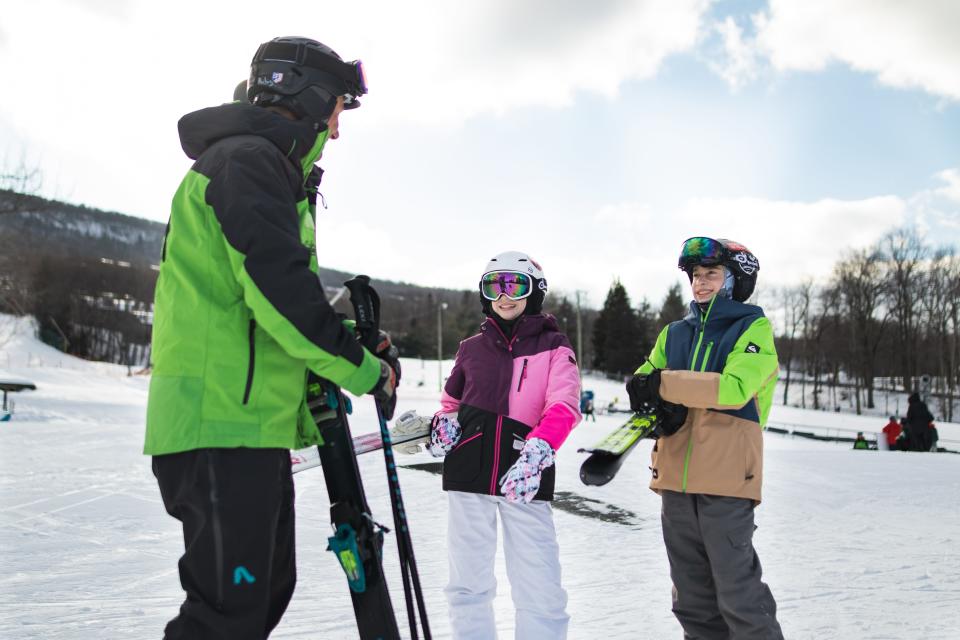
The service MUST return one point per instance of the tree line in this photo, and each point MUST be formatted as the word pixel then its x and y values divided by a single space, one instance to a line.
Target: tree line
pixel 887 317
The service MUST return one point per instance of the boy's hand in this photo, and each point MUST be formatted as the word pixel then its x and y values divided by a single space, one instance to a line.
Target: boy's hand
pixel 672 416
pixel 644 391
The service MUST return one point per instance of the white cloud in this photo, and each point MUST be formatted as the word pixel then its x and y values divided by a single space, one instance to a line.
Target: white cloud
pixel 906 44
pixel 457 60
pixel 792 240
pixel 936 211
pixel 739 63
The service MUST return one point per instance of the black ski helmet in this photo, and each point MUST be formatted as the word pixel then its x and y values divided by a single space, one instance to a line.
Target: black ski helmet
pixel 523 263
pixel 304 76
pixel 738 260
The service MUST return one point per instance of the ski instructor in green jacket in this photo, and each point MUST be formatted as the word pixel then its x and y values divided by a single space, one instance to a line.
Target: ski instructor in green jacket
pixel 240 317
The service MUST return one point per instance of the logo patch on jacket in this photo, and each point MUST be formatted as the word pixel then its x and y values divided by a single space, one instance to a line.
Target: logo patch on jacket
pixel 518 442
pixel 752 348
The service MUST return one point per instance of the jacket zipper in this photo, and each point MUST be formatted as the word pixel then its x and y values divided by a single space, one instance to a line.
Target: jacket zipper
pixel 706 356
pixel 496 443
pixel 523 374
pixel 163 250
pixel 693 367
pixel 496 458
pixel 217 529
pixel 246 391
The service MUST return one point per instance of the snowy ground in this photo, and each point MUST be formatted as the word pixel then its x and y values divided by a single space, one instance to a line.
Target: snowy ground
pixel 854 544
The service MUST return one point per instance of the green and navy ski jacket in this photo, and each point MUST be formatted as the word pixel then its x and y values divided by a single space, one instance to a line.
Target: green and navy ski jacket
pixel 721 363
pixel 239 314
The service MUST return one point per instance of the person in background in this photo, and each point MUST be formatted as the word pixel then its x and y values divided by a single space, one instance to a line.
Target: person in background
pixel 586 405
pixel 860 442
pixel 891 432
pixel 917 424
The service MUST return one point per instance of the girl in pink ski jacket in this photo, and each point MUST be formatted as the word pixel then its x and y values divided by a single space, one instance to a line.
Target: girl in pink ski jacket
pixel 511 400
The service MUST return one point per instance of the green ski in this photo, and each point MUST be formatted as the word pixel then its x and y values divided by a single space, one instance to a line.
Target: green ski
pixel 607 456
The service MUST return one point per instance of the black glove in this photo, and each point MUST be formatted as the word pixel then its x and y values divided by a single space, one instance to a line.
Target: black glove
pixel 385 391
pixel 388 352
pixel 644 391
pixel 670 418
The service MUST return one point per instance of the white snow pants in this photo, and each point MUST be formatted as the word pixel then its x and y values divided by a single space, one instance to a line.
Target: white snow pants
pixel 532 558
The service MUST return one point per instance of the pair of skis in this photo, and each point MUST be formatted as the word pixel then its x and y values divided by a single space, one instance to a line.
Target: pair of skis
pixel 607 456
pixel 357 541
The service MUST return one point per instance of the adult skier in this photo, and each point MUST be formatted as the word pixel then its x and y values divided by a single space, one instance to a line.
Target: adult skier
pixel 239 319
pixel 511 400
pixel 712 376
pixel 917 424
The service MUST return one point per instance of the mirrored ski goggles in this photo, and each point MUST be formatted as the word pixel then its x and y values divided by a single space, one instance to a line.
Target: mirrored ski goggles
pixel 513 284
pixel 356 84
pixel 702 251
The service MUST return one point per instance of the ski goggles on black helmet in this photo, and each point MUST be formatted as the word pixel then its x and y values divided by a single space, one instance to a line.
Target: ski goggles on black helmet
pixel 701 251
pixel 513 284
pixel 287 66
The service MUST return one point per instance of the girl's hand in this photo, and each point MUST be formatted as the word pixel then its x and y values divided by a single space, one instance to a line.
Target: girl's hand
pixel 522 481
pixel 444 435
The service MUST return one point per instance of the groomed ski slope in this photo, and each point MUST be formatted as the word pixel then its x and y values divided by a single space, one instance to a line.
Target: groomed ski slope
pixel 854 544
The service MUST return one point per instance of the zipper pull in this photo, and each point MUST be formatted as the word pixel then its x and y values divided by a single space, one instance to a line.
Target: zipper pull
pixel 523 374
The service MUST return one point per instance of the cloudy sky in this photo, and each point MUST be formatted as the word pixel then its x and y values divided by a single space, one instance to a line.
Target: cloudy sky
pixel 596 136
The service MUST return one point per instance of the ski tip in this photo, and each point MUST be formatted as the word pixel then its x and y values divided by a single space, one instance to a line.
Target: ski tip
pixel 592 480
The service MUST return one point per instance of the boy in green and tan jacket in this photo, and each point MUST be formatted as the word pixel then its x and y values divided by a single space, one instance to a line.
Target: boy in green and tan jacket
pixel 711 378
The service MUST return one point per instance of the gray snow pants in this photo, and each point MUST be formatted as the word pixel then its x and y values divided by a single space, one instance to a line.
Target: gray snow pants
pixel 717 591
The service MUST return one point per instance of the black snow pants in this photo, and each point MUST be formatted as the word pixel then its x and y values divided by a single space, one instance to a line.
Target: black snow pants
pixel 717 591
pixel 238 568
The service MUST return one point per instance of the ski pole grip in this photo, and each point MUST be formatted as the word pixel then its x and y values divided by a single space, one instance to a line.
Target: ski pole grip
pixel 366 310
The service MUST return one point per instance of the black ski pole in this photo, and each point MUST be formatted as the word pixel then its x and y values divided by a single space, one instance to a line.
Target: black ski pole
pixel 366 307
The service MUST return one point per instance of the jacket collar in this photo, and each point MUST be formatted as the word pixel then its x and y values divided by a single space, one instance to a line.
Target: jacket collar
pixel 527 326
pixel 296 139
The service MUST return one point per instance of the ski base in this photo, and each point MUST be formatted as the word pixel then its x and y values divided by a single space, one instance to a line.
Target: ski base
pixel 608 455
pixel 309 458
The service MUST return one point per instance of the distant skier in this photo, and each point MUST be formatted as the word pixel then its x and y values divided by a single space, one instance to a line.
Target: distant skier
pixel 860 442
pixel 586 405
pixel 891 431
pixel 239 318
pixel 509 403
pixel 917 424
pixel 712 375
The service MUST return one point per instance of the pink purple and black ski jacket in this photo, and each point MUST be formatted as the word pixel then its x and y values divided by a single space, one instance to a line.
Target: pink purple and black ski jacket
pixel 505 391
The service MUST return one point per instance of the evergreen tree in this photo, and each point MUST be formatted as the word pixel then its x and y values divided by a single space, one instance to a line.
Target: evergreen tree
pixel 647 330
pixel 617 334
pixel 673 307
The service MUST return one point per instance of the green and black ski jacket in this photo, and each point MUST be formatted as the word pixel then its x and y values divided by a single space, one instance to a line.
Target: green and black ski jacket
pixel 239 314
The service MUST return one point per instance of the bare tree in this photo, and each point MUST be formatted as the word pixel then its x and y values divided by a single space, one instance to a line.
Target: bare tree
pixel 18 185
pixel 859 278
pixel 903 252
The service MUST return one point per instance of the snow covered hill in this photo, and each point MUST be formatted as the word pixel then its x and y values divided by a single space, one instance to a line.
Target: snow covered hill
pixel 855 544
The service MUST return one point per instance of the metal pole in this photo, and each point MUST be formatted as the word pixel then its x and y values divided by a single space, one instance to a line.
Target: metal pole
pixel 579 336
pixel 439 346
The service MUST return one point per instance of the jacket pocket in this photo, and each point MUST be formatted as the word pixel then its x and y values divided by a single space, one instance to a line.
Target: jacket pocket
pixel 250 365
pixel 465 462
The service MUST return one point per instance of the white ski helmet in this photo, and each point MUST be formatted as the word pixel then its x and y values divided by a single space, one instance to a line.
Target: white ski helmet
pixel 522 263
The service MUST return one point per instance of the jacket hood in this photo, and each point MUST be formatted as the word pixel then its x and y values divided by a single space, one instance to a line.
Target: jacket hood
pixel 295 138
pixel 722 309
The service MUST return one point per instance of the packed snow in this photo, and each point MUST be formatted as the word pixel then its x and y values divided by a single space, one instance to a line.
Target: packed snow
pixel 854 544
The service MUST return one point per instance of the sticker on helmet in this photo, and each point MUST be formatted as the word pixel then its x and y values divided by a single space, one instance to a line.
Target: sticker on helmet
pixel 747 263
pixel 277 77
